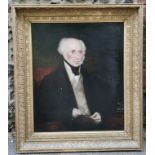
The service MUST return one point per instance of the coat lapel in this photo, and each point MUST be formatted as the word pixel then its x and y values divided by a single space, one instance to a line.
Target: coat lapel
pixel 65 88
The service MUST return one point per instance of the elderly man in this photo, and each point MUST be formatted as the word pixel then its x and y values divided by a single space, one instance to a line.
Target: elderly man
pixel 69 98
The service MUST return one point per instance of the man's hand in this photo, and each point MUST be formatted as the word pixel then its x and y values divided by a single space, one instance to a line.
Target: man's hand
pixel 96 117
pixel 76 112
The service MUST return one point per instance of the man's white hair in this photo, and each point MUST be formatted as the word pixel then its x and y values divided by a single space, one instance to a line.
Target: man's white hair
pixel 63 45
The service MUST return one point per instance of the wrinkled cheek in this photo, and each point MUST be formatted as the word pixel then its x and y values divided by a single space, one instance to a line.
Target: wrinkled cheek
pixel 69 56
pixel 82 59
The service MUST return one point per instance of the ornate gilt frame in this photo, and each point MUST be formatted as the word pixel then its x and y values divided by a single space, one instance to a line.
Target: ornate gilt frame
pixel 131 138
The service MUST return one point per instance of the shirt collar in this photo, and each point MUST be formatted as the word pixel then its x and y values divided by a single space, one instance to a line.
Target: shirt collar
pixel 71 75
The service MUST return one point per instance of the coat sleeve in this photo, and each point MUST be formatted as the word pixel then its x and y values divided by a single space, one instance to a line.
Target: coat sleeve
pixel 51 114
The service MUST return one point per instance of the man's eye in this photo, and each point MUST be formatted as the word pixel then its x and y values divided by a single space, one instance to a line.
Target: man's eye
pixel 73 51
pixel 80 52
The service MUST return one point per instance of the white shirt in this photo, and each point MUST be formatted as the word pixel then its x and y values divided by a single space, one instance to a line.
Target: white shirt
pixel 78 89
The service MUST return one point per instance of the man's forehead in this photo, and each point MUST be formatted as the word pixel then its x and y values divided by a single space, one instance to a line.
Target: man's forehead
pixel 73 43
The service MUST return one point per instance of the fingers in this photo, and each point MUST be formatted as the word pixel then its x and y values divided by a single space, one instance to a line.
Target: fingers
pixel 96 117
pixel 76 112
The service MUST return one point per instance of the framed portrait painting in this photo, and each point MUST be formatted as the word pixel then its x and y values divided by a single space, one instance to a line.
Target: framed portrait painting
pixel 78 77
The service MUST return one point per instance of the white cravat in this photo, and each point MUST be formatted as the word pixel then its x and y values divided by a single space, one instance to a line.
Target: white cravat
pixel 77 85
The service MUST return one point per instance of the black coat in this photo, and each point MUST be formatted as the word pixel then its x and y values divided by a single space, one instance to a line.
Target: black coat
pixel 55 100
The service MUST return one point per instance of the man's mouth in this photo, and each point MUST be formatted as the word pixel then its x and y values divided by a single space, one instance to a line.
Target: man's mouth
pixel 77 61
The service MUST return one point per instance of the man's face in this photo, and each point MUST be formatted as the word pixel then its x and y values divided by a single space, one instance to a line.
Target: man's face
pixel 74 54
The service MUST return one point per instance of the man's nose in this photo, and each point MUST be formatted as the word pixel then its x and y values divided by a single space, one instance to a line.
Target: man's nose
pixel 78 55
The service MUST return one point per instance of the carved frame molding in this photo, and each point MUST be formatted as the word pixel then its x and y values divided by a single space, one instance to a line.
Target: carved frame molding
pixel 131 138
